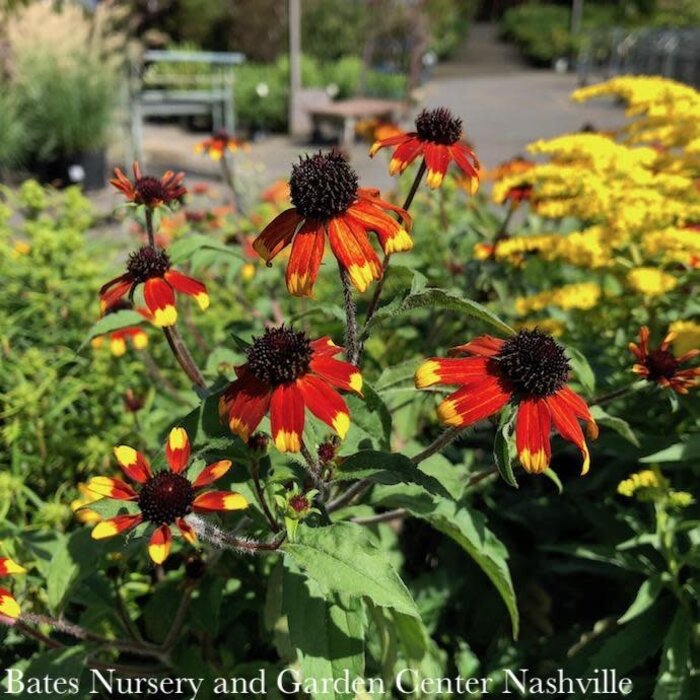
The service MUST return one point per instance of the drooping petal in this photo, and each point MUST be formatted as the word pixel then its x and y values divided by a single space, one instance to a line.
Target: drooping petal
pixel 9 567
pixel 135 465
pixel 337 373
pixel 465 159
pixel 160 544
pixel 212 501
pixel 211 473
pixel 393 237
pixel 354 252
pixel 484 345
pixel 404 154
pixel 368 195
pixel 190 286
pixel 305 259
pixel 566 424
pixel 532 428
pixel 463 370
pixel 437 159
pixel 114 290
pixel 278 234
pixel 580 409
pixel 473 403
pixel 245 403
pixel 177 450
pixel 326 347
pixel 390 141
pixel 325 403
pixel 160 299
pixel 112 488
pixel 113 526
pixel 187 532
pixel 287 417
pixel 9 608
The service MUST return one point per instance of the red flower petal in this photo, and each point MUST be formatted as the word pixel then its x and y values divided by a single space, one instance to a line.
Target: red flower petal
pixel 219 501
pixel 326 347
pixel 278 234
pixel 437 158
pixel 305 259
pixel 9 567
pixel 211 473
pixel 532 428
pixel 390 141
pixel 465 159
pixel 566 423
pixel 354 253
pixel 405 154
pixel 177 449
pixel 9 608
pixel 463 370
pixel 160 299
pixel 114 290
pixel 245 403
pixel 392 236
pixel 113 526
pixel 341 375
pixel 473 403
pixel 326 404
pixel 484 345
pixel 160 544
pixel 112 488
pixel 190 286
pixel 133 463
pixel 287 417
pixel 187 532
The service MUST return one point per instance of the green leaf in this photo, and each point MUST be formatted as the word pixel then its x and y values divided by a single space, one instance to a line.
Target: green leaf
pixel 387 468
pixel 186 247
pixel 328 633
pixel 113 322
pixel 620 426
pixel 673 681
pixel 504 453
pixel 582 370
pixel 55 663
pixel 554 478
pixel 344 559
pixel 442 299
pixel 646 595
pixel 680 452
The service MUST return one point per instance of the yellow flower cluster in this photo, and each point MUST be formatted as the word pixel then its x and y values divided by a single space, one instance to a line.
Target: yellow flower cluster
pixel 645 479
pixel 687 336
pixel 584 295
pixel 674 245
pixel 648 485
pixel 650 281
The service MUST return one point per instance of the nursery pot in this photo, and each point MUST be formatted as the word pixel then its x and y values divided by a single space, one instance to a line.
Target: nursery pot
pixel 87 169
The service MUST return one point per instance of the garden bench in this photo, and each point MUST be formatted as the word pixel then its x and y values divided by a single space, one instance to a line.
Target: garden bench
pixel 344 115
pixel 202 85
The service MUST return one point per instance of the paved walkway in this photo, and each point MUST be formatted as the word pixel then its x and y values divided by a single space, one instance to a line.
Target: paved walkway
pixel 504 105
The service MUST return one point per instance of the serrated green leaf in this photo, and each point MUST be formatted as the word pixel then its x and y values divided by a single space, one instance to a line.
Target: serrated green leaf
pixel 387 468
pixel 442 299
pixel 344 559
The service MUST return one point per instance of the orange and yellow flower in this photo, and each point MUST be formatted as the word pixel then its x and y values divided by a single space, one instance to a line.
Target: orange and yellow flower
pixel 150 191
pixel 529 369
pixel 437 139
pixel 218 143
pixel 662 366
pixel 287 373
pixel 151 267
pixel 164 498
pixel 9 608
pixel 328 203
pixel 118 339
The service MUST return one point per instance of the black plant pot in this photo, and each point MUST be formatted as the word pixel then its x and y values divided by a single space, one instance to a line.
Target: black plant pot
pixel 87 169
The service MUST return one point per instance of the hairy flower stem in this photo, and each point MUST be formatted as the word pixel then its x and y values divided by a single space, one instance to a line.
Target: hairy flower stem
pixel 223 539
pixel 352 350
pixel 183 356
pixel 175 341
pixel 260 493
pixel 373 305
pixel 438 444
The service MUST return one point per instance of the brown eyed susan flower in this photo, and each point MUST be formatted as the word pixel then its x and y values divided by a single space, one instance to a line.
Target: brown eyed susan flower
pixel 287 373
pixel 328 203
pixel 164 498
pixel 662 366
pixel 220 142
pixel 150 191
pixel 529 369
pixel 118 339
pixel 9 608
pixel 437 140
pixel 151 267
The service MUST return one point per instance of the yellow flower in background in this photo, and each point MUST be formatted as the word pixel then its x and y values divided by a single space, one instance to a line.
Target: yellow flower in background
pixel 680 499
pixel 582 295
pixel 650 281
pixel 82 514
pixel 687 336
pixel 673 244
pixel 551 326
pixel 645 479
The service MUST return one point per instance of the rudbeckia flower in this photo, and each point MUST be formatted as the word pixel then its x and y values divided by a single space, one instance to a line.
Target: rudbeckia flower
pixel 165 497
pixel 151 267
pixel 9 608
pixel 150 191
pixel 220 142
pixel 118 339
pixel 662 366
pixel 529 369
pixel 285 374
pixel 437 140
pixel 328 202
